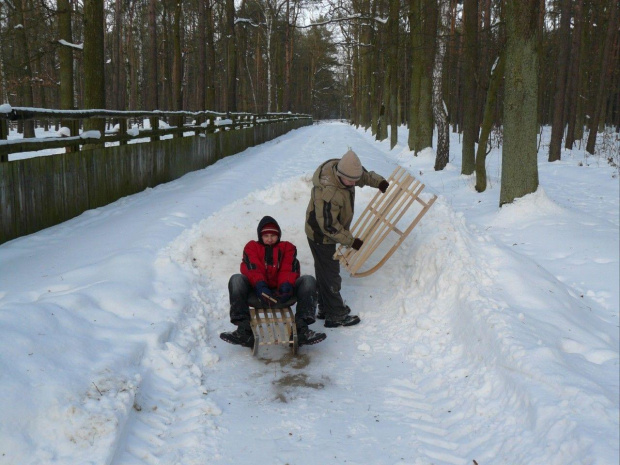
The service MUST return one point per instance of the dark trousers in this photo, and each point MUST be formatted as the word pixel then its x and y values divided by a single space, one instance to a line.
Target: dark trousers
pixel 240 290
pixel 328 281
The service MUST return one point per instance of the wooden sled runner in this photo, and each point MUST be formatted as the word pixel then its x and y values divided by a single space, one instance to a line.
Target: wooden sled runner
pixel 273 326
pixel 380 218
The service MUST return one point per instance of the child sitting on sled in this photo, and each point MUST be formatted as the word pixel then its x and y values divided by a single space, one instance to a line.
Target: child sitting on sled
pixel 271 271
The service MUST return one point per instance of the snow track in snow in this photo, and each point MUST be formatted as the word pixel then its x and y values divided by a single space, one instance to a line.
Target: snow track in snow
pixel 172 414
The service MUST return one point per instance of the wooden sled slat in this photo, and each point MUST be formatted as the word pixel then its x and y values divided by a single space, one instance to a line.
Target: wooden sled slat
pixel 395 246
pixel 273 326
pixel 381 217
pixel 377 234
pixel 373 217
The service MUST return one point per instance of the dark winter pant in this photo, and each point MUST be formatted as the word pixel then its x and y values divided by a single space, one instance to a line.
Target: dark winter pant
pixel 240 290
pixel 328 281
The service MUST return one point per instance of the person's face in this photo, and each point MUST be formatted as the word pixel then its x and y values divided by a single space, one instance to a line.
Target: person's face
pixel 348 182
pixel 269 238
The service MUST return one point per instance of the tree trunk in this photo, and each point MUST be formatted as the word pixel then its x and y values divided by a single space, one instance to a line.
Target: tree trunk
pixel 519 154
pixel 573 90
pixel 497 74
pixel 439 107
pixel 557 128
pixel 210 80
pixel 612 31
pixel 392 88
pixel 231 58
pixel 65 58
pixel 454 64
pixel 288 52
pixel 133 61
pixel 94 72
pixel 470 56
pixel 118 80
pixel 177 66
pixel 485 39
pixel 424 134
pixel 152 78
pixel 152 102
pixel 415 20
pixel 26 92
pixel 269 26
pixel 202 55
pixel 365 69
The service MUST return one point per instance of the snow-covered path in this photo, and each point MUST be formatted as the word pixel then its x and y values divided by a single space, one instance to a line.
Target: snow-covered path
pixel 479 340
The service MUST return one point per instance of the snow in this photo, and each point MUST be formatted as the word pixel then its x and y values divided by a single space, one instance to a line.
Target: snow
pixel 491 335
pixel 69 44
pixel 64 131
pixel 93 134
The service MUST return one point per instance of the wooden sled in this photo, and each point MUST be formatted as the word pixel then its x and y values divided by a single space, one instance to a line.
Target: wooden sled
pixel 273 325
pixel 382 216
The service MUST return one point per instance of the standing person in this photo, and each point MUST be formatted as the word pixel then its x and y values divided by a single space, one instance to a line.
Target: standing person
pixel 328 219
pixel 270 270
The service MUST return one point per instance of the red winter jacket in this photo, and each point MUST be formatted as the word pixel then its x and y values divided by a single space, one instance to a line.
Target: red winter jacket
pixel 275 264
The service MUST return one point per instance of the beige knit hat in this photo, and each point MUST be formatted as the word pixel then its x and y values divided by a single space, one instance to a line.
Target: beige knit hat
pixel 350 166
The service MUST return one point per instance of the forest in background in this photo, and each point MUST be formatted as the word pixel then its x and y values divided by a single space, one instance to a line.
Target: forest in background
pixel 493 70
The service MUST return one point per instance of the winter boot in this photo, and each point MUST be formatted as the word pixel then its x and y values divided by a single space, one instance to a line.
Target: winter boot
pixel 348 320
pixel 242 336
pixel 306 337
pixel 320 315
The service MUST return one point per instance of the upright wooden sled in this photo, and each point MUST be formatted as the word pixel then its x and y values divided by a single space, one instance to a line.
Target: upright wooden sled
pixel 273 326
pixel 382 216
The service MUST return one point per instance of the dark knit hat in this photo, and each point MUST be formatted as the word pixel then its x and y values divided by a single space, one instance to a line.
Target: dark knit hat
pixel 350 166
pixel 270 228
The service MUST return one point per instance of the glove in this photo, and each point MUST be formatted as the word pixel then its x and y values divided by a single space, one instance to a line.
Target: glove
pixel 285 292
pixel 383 185
pixel 357 244
pixel 262 288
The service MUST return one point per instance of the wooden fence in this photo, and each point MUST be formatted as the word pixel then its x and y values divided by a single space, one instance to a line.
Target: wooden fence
pixel 42 191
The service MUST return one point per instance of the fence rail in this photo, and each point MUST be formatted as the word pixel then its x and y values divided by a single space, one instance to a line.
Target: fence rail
pixel 203 122
pixel 42 191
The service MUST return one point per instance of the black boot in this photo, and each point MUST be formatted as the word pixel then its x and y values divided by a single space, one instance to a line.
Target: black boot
pixel 320 315
pixel 348 320
pixel 306 337
pixel 242 336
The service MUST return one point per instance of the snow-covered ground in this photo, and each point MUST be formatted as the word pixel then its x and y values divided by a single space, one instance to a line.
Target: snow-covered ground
pixel 491 336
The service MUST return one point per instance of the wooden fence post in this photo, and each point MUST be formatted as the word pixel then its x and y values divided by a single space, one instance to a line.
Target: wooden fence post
pixel 122 130
pixel 4 129
pixel 4 135
pixel 154 127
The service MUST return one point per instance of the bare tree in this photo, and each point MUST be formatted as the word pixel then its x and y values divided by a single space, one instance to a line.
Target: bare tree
pixel 231 56
pixel 557 128
pixel 470 65
pixel 610 38
pixel 65 55
pixel 439 107
pixel 94 81
pixel 574 75
pixel 497 74
pixel 177 59
pixel 392 71
pixel 519 154
pixel 26 91
pixel 415 25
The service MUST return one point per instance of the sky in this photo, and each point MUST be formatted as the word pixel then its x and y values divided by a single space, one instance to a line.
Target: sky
pixel 491 336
